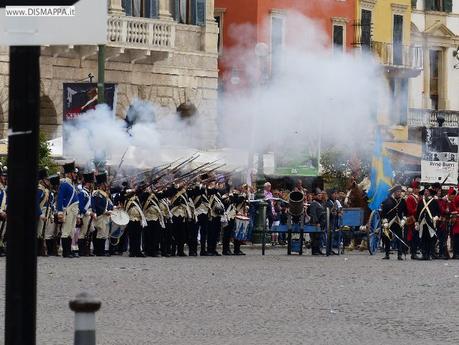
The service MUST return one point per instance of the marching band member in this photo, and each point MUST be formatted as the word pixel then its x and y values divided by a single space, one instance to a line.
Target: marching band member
pixel 101 205
pixel 393 220
pixel 86 215
pixel 427 214
pixel 67 208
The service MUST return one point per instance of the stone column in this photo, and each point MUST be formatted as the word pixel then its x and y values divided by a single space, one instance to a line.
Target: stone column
pixel 443 101
pixel 426 102
pixel 211 29
pixel 115 8
pixel 165 9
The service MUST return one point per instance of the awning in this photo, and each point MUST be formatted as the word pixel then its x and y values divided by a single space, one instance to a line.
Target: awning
pixel 409 149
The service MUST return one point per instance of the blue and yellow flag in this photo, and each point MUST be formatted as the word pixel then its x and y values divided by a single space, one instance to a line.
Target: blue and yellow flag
pixel 381 174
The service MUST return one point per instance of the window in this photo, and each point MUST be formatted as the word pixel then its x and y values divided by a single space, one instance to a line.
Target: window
pixel 398 40
pixel 399 93
pixel 190 12
pixel 434 77
pixel 219 15
pixel 141 8
pixel 439 5
pixel 365 23
pixel 338 38
pixel 277 42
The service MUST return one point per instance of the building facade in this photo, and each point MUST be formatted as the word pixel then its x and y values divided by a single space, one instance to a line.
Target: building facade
pixel 383 29
pixel 270 24
pixel 164 51
pixel 435 26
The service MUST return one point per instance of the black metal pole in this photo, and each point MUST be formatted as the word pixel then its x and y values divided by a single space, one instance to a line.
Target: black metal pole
pixel 21 264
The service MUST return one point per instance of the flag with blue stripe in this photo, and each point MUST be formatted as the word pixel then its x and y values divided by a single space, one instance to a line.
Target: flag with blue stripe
pixel 381 174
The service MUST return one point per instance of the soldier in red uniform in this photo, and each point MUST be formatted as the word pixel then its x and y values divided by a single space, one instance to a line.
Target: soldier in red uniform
pixel 412 201
pixel 454 219
pixel 446 207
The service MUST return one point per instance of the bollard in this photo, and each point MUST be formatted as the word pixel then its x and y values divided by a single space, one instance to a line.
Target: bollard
pixel 85 307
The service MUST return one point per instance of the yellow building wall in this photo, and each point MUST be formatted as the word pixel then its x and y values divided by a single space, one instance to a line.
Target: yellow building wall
pixel 382 18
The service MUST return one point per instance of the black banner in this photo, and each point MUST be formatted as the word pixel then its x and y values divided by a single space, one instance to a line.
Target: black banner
pixel 81 97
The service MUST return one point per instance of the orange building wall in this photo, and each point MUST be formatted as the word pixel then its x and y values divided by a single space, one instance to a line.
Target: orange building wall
pixel 257 13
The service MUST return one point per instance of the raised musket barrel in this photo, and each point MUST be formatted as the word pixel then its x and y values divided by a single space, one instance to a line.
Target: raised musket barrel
pixel 296 203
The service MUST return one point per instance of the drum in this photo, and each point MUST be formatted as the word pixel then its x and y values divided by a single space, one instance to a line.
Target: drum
pixel 242 226
pixel 120 217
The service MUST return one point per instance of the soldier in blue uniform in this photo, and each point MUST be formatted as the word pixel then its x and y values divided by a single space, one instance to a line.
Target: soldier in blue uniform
pixel 67 208
pixel 86 215
pixel 101 205
pixel 44 210
pixel 51 235
pixel 3 207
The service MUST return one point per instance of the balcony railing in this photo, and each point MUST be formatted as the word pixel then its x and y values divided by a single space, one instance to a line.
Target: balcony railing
pixel 140 33
pixel 428 118
pixel 398 55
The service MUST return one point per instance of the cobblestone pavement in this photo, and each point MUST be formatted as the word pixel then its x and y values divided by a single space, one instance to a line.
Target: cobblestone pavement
pixel 276 299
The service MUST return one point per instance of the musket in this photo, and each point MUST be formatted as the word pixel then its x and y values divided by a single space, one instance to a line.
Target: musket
pixel 187 161
pixel 198 168
pixel 87 238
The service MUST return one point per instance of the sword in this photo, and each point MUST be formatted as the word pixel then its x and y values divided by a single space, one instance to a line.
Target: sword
pixel 396 236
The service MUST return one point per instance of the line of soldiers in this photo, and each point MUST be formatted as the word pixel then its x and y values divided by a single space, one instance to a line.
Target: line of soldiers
pixel 162 219
pixel 423 220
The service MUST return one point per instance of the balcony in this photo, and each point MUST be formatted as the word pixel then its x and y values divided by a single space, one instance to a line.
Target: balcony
pixel 428 118
pixel 400 60
pixel 140 33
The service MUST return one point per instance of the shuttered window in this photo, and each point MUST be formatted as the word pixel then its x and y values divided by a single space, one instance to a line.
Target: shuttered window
pixel 398 40
pixel 151 8
pixel 366 29
pixel 198 12
pixel 127 6
pixel 338 38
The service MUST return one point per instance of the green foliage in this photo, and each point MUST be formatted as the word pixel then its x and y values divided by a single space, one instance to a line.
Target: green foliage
pixel 44 156
pixel 341 165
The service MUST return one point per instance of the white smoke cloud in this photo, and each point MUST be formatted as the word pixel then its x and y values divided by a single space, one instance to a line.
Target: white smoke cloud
pixel 318 98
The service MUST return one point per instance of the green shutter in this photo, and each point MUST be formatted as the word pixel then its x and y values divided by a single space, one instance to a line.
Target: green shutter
pixel 448 5
pixel 151 8
pixel 177 10
pixel 429 5
pixel 198 12
pixel 414 3
pixel 127 6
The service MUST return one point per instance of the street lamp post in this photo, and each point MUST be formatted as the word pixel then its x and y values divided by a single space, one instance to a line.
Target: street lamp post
pixel 261 51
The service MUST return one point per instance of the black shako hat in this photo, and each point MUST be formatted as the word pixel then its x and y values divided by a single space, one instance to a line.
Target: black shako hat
pixel 43 173
pixel 101 178
pixel 69 168
pixel 54 180
pixel 88 177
